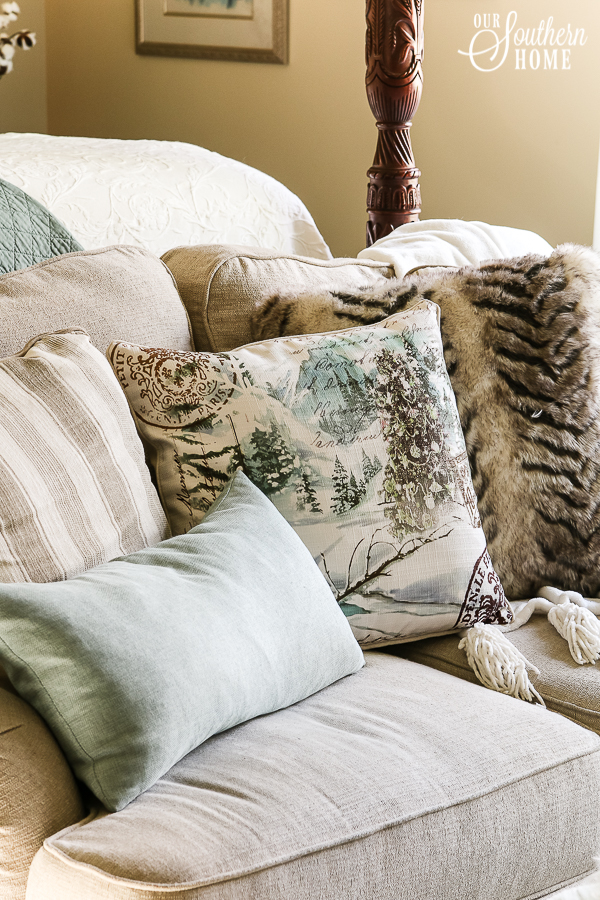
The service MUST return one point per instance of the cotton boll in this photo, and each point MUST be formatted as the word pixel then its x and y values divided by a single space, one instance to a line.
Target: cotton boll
pixel 25 39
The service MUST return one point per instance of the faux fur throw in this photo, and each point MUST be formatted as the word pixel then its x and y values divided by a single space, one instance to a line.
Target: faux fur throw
pixel 522 346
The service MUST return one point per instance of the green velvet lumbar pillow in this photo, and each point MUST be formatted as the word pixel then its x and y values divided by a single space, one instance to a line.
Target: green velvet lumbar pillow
pixel 29 233
pixel 136 662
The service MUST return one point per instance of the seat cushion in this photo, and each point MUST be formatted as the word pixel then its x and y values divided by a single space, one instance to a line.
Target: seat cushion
pixel 397 783
pixel 566 687
pixel 221 284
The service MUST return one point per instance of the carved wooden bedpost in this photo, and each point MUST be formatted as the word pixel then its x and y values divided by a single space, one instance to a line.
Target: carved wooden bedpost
pixel 394 51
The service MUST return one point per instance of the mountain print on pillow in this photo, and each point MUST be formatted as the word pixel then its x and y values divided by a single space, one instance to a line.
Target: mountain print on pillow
pixel 355 437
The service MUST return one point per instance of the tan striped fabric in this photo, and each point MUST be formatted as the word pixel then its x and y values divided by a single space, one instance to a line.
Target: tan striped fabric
pixel 74 487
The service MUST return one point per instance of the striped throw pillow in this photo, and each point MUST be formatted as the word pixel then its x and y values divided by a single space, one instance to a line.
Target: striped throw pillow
pixel 74 487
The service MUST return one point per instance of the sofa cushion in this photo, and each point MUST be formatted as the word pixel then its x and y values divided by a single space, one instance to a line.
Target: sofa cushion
pixel 565 686
pixel 355 437
pixel 138 661
pixel 38 794
pixel 116 292
pixel 74 487
pixel 221 284
pixel 398 783
pixel 29 233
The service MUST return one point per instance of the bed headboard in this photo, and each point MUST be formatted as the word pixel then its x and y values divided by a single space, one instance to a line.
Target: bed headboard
pixel 394 56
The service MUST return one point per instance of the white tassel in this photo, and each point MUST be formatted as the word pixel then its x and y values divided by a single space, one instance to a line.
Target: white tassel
pixel 574 617
pixel 498 664
pixel 580 628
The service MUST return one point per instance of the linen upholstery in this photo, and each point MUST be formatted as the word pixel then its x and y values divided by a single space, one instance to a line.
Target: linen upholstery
pixel 566 687
pixel 400 783
pixel 355 437
pixel 135 662
pixel 38 794
pixel 220 285
pixel 74 487
pixel 110 292
pixel 29 233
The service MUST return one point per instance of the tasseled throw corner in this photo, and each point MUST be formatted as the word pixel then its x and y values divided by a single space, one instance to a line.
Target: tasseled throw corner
pixel 573 616
pixel 498 664
pixel 580 628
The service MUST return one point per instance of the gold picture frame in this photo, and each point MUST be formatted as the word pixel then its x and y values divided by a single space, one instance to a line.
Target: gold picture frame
pixel 239 30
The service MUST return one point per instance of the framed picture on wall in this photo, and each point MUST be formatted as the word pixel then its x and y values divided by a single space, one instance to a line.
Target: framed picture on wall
pixel 240 30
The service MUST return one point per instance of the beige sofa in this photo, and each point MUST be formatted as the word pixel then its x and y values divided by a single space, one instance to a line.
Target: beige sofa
pixel 401 781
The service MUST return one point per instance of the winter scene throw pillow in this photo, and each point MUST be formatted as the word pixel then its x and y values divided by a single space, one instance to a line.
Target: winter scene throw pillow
pixel 355 437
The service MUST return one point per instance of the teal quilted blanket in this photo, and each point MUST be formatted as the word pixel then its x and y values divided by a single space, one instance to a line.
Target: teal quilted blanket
pixel 29 233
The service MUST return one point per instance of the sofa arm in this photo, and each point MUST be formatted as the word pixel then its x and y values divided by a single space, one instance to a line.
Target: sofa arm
pixel 38 793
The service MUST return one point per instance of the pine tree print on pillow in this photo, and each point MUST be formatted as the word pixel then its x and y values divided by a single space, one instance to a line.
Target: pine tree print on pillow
pixel 355 437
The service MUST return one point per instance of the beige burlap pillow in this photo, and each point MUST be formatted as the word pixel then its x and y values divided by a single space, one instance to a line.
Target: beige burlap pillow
pixel 115 292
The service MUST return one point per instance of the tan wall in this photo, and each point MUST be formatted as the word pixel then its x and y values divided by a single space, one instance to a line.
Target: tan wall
pixel 23 91
pixel 514 148
pixel 511 147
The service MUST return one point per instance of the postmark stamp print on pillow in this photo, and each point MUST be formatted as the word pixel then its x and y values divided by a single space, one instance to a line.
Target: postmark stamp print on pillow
pixel 355 437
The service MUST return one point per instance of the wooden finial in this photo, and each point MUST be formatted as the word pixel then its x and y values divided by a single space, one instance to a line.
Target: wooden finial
pixel 394 51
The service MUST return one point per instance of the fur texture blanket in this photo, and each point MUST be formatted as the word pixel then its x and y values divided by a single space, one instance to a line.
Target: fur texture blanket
pixel 522 346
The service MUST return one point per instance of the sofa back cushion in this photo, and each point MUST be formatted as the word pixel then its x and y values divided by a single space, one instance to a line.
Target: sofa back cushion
pixel 110 293
pixel 220 285
pixel 74 487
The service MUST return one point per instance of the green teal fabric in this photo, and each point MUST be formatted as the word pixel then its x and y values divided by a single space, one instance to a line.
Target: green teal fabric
pixel 29 233
pixel 136 662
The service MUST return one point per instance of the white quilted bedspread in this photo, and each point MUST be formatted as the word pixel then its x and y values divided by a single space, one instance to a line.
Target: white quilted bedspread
pixel 157 194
